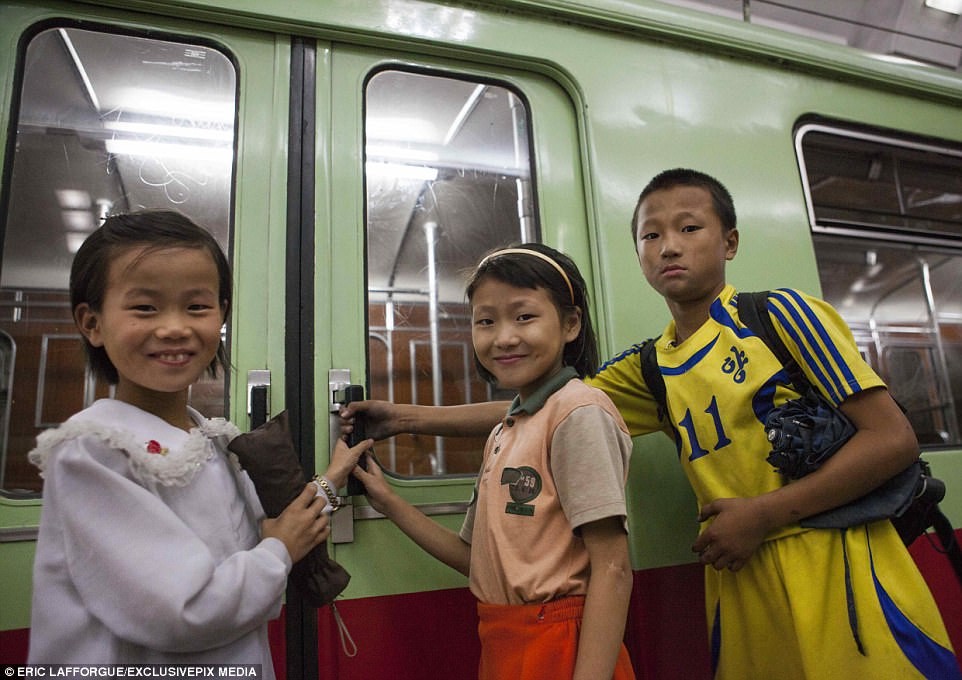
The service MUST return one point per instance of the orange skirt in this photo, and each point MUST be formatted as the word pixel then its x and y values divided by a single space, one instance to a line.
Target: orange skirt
pixel 535 641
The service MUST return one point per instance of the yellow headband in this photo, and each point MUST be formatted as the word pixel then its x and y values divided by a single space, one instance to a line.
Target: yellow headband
pixel 525 251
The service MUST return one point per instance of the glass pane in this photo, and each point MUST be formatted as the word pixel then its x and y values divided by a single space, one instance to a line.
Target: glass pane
pixel 861 182
pixel 107 124
pixel 904 304
pixel 448 178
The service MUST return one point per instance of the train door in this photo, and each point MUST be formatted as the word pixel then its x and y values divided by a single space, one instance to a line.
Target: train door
pixel 106 112
pixel 433 163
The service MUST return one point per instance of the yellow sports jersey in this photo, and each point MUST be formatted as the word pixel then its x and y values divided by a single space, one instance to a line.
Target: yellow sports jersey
pixel 818 603
pixel 712 377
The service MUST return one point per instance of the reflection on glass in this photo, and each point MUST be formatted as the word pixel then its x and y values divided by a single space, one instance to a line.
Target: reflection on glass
pixel 904 305
pixel 448 178
pixel 894 264
pixel 107 124
pixel 862 181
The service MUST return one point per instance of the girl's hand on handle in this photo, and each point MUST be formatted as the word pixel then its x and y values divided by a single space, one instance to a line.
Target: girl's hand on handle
pixel 376 488
pixel 343 460
pixel 302 526
pixel 381 419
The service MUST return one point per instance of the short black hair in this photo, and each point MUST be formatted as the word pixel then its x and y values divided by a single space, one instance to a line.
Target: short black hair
pixel 528 271
pixel 721 199
pixel 155 230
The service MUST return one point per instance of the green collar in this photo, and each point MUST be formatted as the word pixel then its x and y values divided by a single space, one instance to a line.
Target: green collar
pixel 536 400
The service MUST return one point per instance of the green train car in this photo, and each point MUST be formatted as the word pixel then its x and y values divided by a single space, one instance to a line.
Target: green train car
pixel 355 157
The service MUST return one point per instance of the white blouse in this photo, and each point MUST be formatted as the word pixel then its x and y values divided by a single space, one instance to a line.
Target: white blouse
pixel 149 548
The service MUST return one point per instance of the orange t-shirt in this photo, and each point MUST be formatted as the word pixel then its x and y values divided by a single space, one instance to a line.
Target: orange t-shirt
pixel 557 461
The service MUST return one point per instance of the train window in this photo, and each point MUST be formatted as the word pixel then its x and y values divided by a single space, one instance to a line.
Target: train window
pixel 886 216
pixel 866 182
pixel 107 123
pixel 448 178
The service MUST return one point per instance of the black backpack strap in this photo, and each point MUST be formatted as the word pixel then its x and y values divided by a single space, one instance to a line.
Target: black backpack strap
pixel 652 376
pixel 753 312
pixel 946 533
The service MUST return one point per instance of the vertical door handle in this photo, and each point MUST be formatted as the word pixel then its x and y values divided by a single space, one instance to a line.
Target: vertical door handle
pixel 258 397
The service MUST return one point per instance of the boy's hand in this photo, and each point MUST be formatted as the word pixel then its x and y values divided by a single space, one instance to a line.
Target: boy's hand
pixel 380 418
pixel 735 533
pixel 302 526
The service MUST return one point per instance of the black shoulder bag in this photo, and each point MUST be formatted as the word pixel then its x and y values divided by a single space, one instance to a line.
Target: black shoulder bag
pixel 805 432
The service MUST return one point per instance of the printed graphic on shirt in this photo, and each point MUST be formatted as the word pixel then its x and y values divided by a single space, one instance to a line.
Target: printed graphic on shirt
pixel 735 365
pixel 524 484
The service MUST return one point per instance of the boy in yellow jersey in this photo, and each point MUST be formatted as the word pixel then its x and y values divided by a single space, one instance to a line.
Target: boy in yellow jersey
pixel 783 602
pixel 778 605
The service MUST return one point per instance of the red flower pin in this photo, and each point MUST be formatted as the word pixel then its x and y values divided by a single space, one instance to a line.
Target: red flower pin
pixel 153 446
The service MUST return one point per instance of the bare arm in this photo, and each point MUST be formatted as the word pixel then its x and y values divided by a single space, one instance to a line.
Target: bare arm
pixel 883 445
pixel 606 604
pixel 438 541
pixel 385 419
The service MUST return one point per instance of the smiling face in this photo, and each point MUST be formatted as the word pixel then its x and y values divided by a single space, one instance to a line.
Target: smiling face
pixel 159 323
pixel 519 334
pixel 683 246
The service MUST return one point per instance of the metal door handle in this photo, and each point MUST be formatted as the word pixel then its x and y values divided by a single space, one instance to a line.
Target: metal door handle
pixel 258 397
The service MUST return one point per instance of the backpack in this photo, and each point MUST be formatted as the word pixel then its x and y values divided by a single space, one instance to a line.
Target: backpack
pixel 923 512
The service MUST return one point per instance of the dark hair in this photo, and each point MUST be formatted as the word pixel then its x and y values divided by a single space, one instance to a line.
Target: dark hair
pixel 530 271
pixel 721 199
pixel 157 230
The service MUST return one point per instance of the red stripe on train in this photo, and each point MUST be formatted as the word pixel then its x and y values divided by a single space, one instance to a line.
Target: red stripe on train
pixel 403 635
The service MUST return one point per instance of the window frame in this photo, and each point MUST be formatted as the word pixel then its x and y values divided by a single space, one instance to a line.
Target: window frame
pixel 890 336
pixel 883 138
pixel 532 230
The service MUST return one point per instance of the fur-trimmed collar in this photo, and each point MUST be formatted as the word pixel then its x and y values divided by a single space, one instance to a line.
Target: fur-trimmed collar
pixel 152 460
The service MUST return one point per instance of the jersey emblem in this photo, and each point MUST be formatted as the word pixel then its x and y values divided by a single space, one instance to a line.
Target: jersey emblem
pixel 524 484
pixel 735 365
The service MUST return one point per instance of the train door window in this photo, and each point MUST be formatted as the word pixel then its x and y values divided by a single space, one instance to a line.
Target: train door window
pixel 886 216
pixel 448 178
pixel 107 123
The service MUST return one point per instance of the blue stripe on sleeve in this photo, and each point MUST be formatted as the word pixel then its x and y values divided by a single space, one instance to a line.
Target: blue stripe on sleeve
pixel 803 322
pixel 847 376
pixel 631 351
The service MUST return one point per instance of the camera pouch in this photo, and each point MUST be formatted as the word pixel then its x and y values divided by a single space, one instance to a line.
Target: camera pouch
pixel 268 456
pixel 807 431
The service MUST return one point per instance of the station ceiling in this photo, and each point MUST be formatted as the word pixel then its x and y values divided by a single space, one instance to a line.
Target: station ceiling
pixel 901 29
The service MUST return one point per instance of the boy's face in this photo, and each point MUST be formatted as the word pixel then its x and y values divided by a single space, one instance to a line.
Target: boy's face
pixel 682 245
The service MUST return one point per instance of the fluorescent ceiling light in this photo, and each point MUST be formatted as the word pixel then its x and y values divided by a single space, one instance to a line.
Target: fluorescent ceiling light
pixel 391 129
pixel 399 153
pixel 215 107
pixel 951 6
pixel 131 147
pixel 75 239
pixel 401 171
pixel 78 220
pixel 181 131
pixel 73 199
